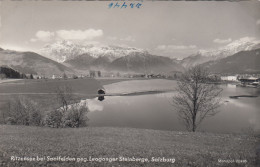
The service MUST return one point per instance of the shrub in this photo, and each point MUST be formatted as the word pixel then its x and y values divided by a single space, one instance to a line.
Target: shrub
pixel 73 117
pixel 54 119
pixel 76 116
pixel 23 111
pixel 70 114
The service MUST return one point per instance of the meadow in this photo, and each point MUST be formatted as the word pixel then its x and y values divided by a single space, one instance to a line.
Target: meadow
pixel 43 91
pixel 83 86
pixel 188 149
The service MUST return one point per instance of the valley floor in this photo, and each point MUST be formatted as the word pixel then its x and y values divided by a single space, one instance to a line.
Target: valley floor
pixel 121 145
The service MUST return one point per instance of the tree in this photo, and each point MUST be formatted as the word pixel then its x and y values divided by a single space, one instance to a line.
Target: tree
pixel 9 72
pixel 74 76
pixel 99 73
pixel 2 76
pixel 70 112
pixel 76 115
pixel 54 119
pixel 23 76
pixel 31 76
pixel 64 96
pixel 92 74
pixel 196 98
pixel 23 111
pixel 65 76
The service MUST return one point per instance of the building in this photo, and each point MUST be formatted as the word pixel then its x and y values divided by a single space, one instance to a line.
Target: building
pixel 229 78
pixel 250 81
pixel 53 76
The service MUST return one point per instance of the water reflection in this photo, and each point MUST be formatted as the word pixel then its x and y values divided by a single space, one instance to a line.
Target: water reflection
pixel 154 111
pixel 94 105
pixel 101 98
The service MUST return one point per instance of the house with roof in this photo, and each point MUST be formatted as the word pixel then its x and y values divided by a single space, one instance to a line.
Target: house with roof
pixel 229 78
pixel 250 81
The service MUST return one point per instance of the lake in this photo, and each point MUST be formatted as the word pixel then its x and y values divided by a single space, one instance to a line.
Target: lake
pixel 154 111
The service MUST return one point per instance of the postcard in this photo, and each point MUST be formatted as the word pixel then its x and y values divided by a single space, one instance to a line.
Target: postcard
pixel 129 83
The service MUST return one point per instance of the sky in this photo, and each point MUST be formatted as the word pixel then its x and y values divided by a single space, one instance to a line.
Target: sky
pixel 174 29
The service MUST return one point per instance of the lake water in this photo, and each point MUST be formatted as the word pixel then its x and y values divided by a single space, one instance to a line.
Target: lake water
pixel 154 111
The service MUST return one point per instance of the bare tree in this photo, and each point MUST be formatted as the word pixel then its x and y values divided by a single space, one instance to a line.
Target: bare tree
pixel 64 96
pixel 196 98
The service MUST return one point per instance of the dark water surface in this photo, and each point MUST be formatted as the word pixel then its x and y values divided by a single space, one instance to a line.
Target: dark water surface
pixel 154 111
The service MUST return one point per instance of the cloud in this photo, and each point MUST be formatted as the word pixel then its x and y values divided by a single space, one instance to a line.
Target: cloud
pixel 112 38
pixel 258 22
pixel 128 38
pixel 245 41
pixel 77 35
pixel 221 41
pixel 33 40
pixel 88 34
pixel 175 47
pixel 174 50
pixel 14 47
pixel 44 36
pixel 161 47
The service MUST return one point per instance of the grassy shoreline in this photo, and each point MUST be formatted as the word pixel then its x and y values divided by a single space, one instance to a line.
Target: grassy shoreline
pixel 188 149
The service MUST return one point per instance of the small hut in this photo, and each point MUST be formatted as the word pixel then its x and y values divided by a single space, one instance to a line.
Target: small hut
pixel 101 91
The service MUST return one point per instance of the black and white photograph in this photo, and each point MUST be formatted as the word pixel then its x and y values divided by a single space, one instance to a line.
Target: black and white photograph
pixel 129 83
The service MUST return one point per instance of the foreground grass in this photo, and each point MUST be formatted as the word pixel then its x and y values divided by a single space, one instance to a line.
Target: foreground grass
pixel 188 149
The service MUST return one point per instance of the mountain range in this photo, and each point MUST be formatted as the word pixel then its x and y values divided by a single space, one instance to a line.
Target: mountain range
pixel 244 62
pixel 108 58
pixel 202 56
pixel 237 57
pixel 145 63
pixel 62 51
pixel 31 63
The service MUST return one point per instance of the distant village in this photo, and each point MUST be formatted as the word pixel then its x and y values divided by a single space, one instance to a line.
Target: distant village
pixel 246 80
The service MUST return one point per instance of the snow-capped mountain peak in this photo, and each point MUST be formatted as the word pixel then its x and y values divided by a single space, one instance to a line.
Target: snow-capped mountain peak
pixel 242 44
pixel 66 50
pixel 202 56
